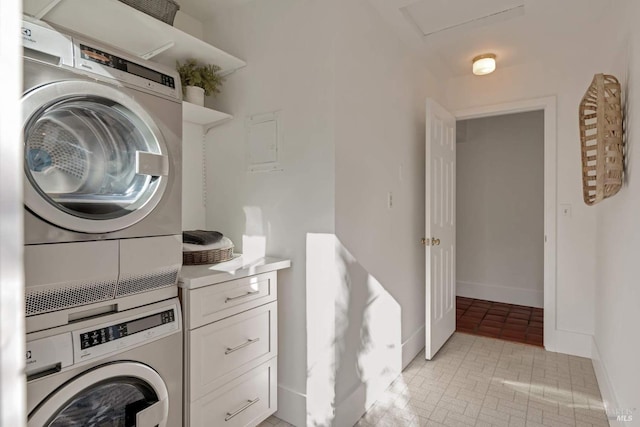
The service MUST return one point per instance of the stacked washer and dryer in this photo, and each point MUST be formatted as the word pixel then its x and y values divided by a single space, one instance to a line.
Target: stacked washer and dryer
pixel 103 245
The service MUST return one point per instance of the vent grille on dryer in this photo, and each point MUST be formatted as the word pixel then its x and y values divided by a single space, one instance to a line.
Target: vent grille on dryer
pixel 59 298
pixel 137 283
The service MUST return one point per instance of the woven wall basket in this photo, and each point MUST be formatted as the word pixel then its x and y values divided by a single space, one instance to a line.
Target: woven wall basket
pixel 601 139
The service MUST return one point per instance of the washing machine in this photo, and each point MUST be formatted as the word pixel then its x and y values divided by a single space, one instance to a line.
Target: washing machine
pixel 102 137
pixel 122 369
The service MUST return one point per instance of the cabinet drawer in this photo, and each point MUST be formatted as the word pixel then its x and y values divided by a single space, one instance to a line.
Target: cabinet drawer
pixel 223 350
pixel 245 401
pixel 215 302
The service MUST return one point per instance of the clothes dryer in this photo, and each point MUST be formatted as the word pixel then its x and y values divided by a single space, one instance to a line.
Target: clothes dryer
pixel 102 182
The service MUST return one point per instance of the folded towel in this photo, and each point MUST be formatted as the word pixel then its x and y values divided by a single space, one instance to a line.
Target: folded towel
pixel 224 243
pixel 201 237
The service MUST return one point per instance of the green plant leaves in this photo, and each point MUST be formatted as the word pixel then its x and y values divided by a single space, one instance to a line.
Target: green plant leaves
pixel 204 76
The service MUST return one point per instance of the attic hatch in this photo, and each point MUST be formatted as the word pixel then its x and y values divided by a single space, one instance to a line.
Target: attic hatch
pixel 431 17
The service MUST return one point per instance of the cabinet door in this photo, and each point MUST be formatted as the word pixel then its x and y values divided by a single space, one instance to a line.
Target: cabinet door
pixel 245 401
pixel 223 350
pixel 212 303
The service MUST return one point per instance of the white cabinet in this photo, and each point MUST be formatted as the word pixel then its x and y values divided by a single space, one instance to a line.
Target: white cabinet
pixel 246 401
pixel 222 350
pixel 231 344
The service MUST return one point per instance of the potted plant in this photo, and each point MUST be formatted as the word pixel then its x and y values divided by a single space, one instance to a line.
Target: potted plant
pixel 199 81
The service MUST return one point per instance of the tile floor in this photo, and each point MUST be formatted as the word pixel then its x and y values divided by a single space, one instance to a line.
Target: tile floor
pixel 274 422
pixel 481 381
pixel 498 320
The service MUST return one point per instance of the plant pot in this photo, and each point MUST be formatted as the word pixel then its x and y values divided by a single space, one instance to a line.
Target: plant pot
pixel 194 95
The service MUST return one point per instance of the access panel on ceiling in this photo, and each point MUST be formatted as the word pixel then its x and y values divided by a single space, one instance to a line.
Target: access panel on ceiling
pixel 434 16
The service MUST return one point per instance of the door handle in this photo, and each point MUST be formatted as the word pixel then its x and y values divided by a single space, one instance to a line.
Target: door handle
pixel 433 241
pixel 248 294
pixel 152 415
pixel 151 164
pixel 249 342
pixel 245 407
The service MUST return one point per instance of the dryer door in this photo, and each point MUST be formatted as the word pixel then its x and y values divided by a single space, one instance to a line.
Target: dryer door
pixel 95 162
pixel 123 394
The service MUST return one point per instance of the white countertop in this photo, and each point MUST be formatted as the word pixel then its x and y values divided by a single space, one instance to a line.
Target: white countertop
pixel 197 276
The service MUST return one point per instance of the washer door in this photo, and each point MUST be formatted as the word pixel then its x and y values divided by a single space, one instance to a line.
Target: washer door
pixel 95 162
pixel 124 394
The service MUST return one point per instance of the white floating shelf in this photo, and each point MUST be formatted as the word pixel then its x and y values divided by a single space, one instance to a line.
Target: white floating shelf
pixel 203 116
pixel 126 28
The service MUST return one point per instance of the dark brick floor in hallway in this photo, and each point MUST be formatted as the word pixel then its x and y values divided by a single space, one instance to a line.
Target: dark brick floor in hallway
pixel 498 320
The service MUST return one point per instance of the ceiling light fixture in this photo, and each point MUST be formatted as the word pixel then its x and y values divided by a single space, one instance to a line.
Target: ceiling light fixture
pixel 484 64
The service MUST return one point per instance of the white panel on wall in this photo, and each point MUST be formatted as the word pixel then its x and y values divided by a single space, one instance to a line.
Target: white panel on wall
pixel 501 209
pixel 263 141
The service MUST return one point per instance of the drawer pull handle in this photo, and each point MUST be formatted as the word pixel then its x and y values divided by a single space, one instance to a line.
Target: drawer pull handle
pixel 248 294
pixel 249 342
pixel 246 406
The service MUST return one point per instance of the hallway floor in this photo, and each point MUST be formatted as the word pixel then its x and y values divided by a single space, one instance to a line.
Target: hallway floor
pixel 499 320
pixel 481 381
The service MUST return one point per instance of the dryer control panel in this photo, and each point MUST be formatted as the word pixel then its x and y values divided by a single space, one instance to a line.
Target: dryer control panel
pixel 138 72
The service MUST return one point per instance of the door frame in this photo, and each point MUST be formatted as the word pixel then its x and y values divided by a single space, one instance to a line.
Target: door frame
pixel 549 106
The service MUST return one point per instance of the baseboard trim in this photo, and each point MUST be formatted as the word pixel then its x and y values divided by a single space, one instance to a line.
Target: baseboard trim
pixel 573 343
pixel 607 391
pixel 351 409
pixel 412 346
pixel 503 294
pixel 292 406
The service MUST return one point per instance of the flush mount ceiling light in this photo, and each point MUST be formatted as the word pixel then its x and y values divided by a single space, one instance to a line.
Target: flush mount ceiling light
pixel 484 64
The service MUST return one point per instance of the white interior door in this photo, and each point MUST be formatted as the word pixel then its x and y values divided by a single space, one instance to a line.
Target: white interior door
pixel 440 237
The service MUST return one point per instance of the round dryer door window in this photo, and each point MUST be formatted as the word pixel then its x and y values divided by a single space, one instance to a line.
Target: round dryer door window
pixel 95 161
pixel 116 395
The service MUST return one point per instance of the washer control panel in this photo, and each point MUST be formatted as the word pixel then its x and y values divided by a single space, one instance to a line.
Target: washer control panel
pixel 107 338
pixel 125 329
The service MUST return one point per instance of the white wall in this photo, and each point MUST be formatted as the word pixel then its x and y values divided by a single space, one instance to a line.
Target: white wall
pixel 12 331
pixel 380 94
pixel 288 46
pixel 618 241
pixel 351 98
pixel 188 24
pixel 500 208
pixel 566 70
pixel 193 174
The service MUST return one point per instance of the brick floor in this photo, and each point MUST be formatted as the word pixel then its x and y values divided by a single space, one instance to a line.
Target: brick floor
pixel 499 320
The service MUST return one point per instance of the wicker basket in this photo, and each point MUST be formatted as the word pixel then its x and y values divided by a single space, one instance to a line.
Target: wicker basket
pixel 211 256
pixel 164 10
pixel 601 139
